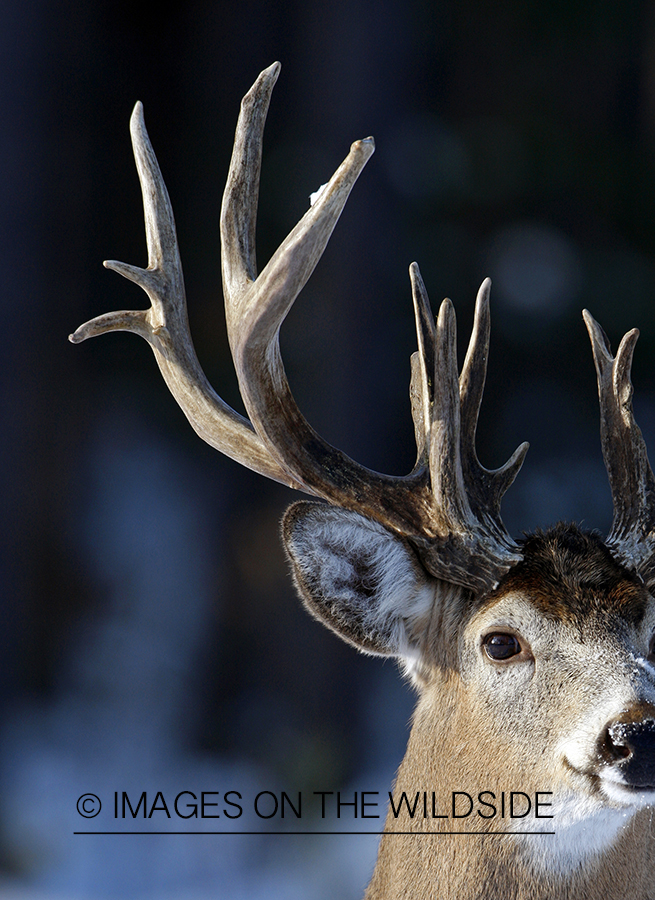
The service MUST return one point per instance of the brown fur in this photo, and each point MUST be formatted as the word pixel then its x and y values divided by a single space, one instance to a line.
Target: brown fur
pixel 571 574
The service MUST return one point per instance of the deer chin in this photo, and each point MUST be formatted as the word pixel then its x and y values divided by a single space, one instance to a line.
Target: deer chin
pixel 621 793
pixel 589 817
pixel 583 827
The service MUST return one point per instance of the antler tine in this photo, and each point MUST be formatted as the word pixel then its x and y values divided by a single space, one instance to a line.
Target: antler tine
pixel 422 382
pixel 444 453
pixel 240 199
pixel 474 370
pixel 165 325
pixel 631 479
pixel 486 487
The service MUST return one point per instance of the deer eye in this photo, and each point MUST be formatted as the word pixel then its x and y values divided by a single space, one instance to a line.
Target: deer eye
pixel 500 646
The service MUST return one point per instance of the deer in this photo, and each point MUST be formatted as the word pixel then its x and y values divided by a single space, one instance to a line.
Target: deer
pixel 533 659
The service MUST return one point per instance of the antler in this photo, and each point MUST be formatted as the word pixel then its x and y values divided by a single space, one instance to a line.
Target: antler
pixel 165 325
pixel 632 536
pixel 448 507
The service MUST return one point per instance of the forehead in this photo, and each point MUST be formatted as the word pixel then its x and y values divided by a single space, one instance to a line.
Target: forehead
pixel 570 575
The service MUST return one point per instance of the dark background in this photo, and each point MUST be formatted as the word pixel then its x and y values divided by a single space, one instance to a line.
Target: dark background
pixel 147 612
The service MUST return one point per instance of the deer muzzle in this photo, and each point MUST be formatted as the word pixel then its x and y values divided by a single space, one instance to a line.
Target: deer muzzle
pixel 627 743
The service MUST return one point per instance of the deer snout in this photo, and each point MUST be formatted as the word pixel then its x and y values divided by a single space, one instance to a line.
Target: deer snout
pixel 627 743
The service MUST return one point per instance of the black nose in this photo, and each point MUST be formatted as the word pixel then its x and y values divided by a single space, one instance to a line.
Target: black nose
pixel 629 745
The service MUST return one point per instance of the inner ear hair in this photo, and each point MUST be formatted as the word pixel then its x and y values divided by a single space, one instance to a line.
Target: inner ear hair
pixel 361 580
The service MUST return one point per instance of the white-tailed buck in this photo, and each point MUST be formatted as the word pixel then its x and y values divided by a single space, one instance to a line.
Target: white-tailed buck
pixel 534 661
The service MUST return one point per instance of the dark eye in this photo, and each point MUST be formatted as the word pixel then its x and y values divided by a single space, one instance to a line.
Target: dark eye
pixel 499 646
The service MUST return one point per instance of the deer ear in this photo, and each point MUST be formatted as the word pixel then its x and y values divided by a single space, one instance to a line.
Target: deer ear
pixel 359 579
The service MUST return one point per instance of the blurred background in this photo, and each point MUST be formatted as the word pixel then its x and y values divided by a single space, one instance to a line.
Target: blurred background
pixel 150 637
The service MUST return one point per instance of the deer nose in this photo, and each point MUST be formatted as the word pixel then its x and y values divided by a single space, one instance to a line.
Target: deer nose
pixel 628 742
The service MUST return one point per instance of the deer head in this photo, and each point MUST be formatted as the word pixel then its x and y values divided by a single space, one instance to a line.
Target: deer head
pixel 534 661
